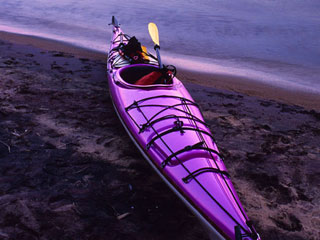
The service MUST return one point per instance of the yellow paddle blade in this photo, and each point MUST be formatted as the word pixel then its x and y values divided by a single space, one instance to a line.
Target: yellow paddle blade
pixel 153 31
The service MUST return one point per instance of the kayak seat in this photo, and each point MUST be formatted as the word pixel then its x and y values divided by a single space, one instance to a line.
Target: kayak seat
pixel 142 75
pixel 149 79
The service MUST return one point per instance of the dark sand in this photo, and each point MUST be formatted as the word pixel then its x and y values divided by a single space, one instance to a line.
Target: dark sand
pixel 69 171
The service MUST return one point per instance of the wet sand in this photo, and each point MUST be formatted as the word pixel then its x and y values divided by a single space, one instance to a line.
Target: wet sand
pixel 69 171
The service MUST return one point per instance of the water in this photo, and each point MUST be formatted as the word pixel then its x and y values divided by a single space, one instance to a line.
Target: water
pixel 272 41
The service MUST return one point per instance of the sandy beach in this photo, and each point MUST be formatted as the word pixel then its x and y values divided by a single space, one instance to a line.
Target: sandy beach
pixel 68 170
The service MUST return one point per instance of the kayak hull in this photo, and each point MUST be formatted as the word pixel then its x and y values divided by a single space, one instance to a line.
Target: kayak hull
pixel 167 126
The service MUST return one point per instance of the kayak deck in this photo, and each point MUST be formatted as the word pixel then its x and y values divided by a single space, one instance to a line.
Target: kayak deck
pixel 172 132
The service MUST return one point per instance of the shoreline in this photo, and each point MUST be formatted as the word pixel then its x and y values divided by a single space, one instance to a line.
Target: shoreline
pixel 50 45
pixel 253 88
pixel 220 81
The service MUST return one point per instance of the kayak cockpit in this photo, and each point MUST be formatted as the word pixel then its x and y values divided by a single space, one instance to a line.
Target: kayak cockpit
pixel 133 73
pixel 144 75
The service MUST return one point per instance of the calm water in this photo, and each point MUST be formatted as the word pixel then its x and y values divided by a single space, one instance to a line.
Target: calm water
pixel 267 40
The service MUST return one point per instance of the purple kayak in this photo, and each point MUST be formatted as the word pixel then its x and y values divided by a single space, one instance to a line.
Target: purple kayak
pixel 167 126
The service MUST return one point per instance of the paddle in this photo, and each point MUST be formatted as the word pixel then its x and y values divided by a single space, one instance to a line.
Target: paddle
pixel 153 31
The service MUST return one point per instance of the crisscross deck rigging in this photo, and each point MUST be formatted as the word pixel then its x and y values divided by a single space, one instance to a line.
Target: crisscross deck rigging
pixel 184 107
